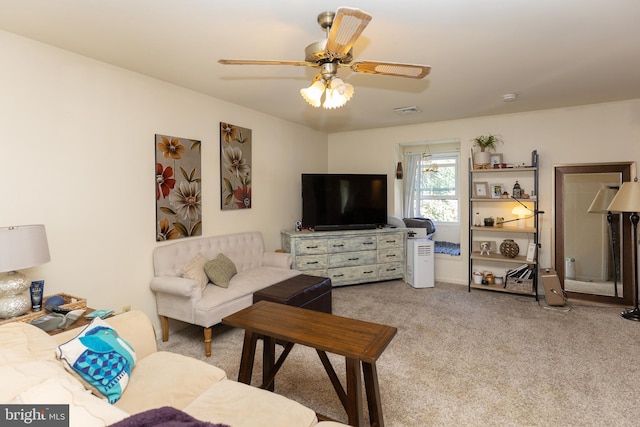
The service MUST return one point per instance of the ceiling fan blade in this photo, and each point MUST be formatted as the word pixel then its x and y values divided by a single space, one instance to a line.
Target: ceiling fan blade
pixel 260 62
pixel 347 26
pixel 391 69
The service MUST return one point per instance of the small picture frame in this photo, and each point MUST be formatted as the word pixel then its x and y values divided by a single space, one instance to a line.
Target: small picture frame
pixel 481 190
pixel 485 247
pixel 496 190
pixel 496 159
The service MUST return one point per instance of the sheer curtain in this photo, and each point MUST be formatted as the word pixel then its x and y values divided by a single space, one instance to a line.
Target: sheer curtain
pixel 412 162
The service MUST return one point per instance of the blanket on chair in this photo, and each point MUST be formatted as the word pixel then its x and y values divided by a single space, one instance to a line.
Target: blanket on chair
pixel 164 417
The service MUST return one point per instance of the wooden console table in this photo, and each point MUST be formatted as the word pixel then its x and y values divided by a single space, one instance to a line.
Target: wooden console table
pixel 361 343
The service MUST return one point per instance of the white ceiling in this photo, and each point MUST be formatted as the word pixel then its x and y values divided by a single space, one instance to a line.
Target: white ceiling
pixel 552 53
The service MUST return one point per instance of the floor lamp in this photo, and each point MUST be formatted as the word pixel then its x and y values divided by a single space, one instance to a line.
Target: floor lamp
pixel 600 205
pixel 627 200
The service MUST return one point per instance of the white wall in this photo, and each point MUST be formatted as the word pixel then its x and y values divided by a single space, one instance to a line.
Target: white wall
pixel 592 133
pixel 77 154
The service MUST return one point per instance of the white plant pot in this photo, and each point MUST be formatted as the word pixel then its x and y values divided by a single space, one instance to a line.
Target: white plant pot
pixel 477 277
pixel 481 158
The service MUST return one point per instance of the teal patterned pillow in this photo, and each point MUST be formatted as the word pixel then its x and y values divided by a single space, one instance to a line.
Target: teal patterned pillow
pixel 220 270
pixel 100 358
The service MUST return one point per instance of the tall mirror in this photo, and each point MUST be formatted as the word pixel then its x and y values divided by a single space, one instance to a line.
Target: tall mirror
pixel 593 256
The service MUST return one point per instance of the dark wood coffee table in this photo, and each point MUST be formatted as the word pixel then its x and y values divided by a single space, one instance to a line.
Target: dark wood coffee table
pixel 361 343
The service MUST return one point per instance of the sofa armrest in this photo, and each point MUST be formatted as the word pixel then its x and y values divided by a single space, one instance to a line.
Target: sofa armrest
pixel 277 259
pixel 180 286
pixel 134 326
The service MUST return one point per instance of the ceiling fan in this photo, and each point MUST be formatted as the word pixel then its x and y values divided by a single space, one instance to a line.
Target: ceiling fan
pixel 343 28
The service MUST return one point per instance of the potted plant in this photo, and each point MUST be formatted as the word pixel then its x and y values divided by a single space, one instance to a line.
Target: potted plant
pixel 486 144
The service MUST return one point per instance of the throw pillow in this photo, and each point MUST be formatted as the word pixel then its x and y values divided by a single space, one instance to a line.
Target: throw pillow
pixel 220 270
pixel 194 269
pixel 100 358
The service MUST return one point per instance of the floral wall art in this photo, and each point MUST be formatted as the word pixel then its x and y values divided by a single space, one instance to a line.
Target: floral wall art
pixel 178 181
pixel 235 167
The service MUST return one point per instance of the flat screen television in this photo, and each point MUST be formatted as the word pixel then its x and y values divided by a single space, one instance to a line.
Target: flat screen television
pixel 344 201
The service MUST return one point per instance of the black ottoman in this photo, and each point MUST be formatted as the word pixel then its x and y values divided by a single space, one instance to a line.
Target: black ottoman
pixel 304 291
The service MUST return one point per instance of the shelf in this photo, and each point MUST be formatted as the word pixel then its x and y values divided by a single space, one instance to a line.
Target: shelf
pixel 520 259
pixel 499 288
pixel 503 170
pixel 504 229
pixel 509 200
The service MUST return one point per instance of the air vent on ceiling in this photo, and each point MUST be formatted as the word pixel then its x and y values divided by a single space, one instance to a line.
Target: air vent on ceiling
pixel 403 111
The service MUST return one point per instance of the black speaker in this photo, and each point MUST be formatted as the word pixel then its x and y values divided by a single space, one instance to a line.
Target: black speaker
pixel 553 292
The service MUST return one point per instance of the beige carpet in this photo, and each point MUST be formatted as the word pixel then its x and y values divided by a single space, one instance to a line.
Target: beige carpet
pixel 468 359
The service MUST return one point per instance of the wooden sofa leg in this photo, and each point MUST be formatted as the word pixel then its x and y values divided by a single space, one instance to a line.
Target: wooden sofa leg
pixel 164 322
pixel 207 341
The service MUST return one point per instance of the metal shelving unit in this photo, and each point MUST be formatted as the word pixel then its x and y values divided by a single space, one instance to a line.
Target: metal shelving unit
pixel 476 233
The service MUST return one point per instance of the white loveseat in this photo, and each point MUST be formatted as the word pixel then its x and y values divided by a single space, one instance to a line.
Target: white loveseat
pixel 184 299
pixel 33 375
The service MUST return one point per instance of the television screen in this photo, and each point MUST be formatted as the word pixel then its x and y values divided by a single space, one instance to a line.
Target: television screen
pixel 343 201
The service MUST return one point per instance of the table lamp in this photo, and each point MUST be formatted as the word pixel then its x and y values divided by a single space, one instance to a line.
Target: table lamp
pixel 600 205
pixel 21 246
pixel 628 200
pixel 521 212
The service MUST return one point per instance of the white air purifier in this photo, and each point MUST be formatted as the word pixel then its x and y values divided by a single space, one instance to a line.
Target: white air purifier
pixel 420 263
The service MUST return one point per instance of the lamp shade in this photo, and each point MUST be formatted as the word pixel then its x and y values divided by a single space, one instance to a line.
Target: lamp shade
pixel 520 211
pixel 23 246
pixel 627 199
pixel 601 202
pixel 313 93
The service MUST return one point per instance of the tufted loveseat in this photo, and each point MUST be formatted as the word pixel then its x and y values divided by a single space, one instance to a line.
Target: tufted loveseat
pixel 184 299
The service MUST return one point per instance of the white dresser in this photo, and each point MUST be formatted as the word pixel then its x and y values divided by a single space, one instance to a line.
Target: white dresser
pixel 350 256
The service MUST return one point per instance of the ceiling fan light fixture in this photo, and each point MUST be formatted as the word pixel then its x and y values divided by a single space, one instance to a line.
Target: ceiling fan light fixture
pixel 344 89
pixel 313 93
pixel 343 29
pixel 338 93
pixel 333 100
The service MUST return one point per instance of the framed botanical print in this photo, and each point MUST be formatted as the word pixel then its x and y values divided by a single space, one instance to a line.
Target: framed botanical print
pixel 235 167
pixel 178 198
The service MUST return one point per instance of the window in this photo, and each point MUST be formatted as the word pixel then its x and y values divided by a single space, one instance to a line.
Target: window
pixel 432 186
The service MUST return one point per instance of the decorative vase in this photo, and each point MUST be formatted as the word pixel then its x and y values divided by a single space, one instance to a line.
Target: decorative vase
pixel 509 248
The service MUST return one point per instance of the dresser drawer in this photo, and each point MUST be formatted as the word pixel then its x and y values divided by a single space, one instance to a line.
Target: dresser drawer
pixel 391 255
pixel 311 262
pixel 394 270
pixel 311 246
pixel 350 244
pixel 348 275
pixel 391 240
pixel 349 259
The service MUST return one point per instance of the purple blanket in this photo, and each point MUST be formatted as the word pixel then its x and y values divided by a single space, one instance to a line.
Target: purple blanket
pixel 164 417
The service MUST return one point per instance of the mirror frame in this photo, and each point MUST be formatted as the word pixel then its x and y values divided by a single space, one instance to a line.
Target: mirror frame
pixel 627 170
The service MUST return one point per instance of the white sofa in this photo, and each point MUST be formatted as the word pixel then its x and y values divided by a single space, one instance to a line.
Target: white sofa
pixel 184 299
pixel 32 375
